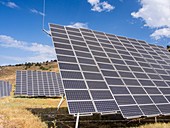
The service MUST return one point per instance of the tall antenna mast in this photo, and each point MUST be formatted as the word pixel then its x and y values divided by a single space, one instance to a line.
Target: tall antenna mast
pixel 43 20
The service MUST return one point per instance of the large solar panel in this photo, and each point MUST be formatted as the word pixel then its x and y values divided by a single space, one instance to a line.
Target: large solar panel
pixel 5 88
pixel 38 83
pixel 104 73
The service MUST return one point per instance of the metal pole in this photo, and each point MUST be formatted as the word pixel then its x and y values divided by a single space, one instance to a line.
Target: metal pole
pixel 155 119
pixel 43 16
pixel 61 101
pixel 43 20
pixel 77 120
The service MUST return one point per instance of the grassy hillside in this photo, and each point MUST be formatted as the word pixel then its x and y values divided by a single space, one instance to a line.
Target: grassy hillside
pixel 8 72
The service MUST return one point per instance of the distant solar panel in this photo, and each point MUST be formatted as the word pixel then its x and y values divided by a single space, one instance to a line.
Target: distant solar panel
pixel 105 73
pixel 38 83
pixel 5 88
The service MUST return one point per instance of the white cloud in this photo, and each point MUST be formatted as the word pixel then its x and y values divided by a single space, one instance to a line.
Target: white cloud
pixel 9 4
pixel 156 15
pixel 78 25
pixel 100 6
pixel 41 52
pixel 37 12
pixel 160 33
pixel 12 5
pixel 93 2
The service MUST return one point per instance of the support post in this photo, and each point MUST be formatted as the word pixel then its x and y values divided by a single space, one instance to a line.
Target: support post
pixel 155 119
pixel 77 120
pixel 61 101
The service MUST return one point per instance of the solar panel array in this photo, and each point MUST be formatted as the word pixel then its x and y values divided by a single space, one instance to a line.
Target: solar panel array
pixel 104 73
pixel 5 88
pixel 38 83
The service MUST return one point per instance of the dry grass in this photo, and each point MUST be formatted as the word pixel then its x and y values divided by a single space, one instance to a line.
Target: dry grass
pixel 156 125
pixel 14 112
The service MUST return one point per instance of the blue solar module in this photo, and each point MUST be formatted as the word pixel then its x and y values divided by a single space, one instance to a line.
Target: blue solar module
pixel 103 72
pixel 38 83
pixel 5 88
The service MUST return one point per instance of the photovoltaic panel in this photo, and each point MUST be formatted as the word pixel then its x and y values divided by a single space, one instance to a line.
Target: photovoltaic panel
pixel 107 73
pixel 38 83
pixel 5 88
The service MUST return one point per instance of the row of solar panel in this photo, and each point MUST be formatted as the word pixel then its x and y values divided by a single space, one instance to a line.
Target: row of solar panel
pixel 116 59
pixel 37 83
pixel 115 81
pixel 96 47
pixel 60 35
pixel 124 99
pixel 132 111
pixel 125 55
pixel 164 69
pixel 5 88
pixel 77 84
pixel 87 50
pixel 110 67
pixel 75 32
pixel 113 51
pixel 109 70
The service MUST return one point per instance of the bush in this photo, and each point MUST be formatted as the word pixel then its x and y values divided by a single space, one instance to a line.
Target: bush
pixel 38 64
pixel 43 68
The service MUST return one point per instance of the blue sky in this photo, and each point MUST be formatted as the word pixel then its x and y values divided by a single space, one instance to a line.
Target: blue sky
pixel 22 39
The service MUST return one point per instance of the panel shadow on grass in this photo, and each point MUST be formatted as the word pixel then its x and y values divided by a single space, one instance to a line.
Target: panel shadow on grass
pixel 62 119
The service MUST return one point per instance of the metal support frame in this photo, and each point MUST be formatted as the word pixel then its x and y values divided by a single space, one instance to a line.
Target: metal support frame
pixel 61 101
pixel 155 119
pixel 77 120
pixel 48 33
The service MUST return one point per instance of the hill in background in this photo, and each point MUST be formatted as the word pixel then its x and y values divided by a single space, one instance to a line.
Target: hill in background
pixel 8 73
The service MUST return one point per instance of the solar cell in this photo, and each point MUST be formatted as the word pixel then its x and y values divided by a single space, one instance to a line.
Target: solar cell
pixel 150 110
pixel 125 100
pixel 137 90
pixel 97 85
pixel 77 95
pixel 129 75
pixel 143 99
pixel 141 75
pixel 38 83
pixel 164 108
pixel 119 90
pixel 110 73
pixel 107 106
pixel 152 90
pixel 131 111
pixel 131 82
pixel 98 94
pixel 159 99
pixel 74 84
pixel 126 74
pixel 81 107
pixel 165 90
pixel 114 81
